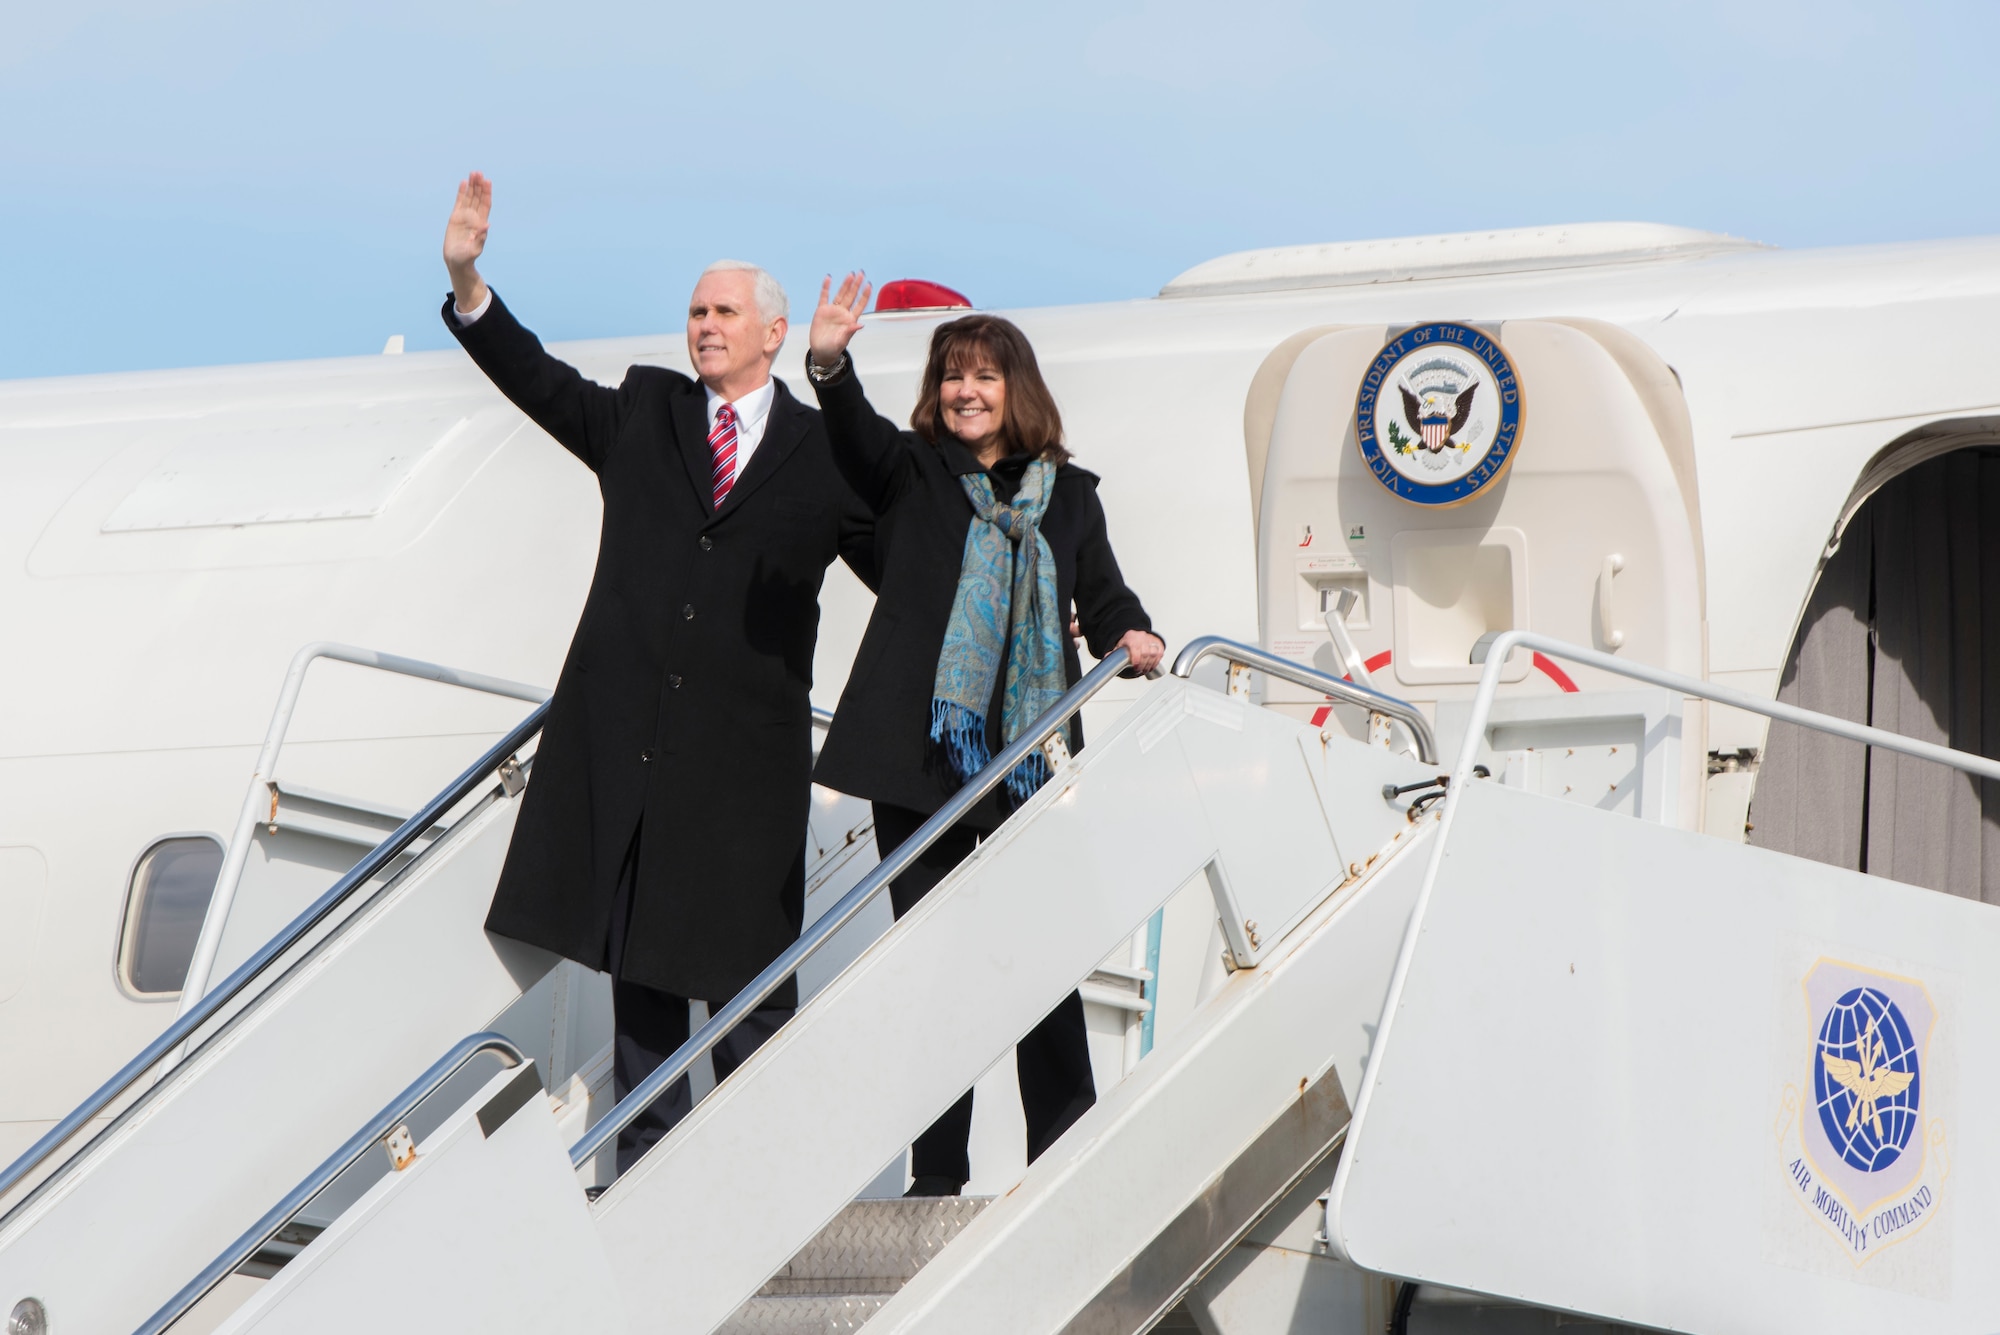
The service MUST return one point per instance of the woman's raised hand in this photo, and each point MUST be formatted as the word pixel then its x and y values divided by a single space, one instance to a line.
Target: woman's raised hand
pixel 1146 648
pixel 838 318
pixel 465 239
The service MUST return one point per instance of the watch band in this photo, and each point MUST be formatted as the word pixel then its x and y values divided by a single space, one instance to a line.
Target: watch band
pixel 825 375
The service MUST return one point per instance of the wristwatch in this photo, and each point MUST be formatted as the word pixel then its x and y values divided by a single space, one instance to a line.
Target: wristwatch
pixel 825 375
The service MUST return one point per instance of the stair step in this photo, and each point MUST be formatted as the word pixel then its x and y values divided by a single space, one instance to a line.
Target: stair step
pixel 874 1247
pixel 841 1278
pixel 804 1314
pixel 840 1314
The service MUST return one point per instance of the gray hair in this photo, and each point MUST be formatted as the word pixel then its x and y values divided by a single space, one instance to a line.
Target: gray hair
pixel 772 303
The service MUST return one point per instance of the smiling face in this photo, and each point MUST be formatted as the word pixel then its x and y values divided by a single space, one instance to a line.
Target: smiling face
pixel 972 398
pixel 730 343
pixel 982 386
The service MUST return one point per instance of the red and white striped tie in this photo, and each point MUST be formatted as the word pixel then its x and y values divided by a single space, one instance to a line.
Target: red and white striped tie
pixel 722 441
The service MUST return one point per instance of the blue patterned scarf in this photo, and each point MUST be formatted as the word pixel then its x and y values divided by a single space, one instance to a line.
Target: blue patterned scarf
pixel 1006 600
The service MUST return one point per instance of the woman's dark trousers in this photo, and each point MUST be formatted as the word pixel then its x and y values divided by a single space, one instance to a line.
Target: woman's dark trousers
pixel 1053 1060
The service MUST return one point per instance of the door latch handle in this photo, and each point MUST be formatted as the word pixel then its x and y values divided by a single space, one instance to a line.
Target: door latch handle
pixel 1606 620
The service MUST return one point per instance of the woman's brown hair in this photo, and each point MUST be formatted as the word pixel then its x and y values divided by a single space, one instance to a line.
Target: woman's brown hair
pixel 1030 423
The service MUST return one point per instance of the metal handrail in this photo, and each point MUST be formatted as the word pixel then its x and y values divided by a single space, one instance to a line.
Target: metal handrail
pixel 1492 650
pixel 764 984
pixel 261 1232
pixel 226 991
pixel 256 797
pixel 1342 690
pixel 1494 647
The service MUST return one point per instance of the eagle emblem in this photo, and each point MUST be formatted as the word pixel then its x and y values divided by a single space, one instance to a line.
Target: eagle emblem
pixel 1867 1080
pixel 1436 417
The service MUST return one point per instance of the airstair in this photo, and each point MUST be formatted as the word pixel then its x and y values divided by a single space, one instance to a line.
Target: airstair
pixel 1293 1157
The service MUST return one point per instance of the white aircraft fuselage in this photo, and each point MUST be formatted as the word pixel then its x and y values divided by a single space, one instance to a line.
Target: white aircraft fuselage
pixel 168 540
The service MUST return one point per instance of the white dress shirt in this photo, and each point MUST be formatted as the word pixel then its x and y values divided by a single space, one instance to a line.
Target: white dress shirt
pixel 753 410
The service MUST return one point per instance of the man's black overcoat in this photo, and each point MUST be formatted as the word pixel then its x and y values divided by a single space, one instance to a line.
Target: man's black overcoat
pixel 685 696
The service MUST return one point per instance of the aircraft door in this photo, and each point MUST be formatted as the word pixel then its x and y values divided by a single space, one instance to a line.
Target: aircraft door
pixel 1569 509
pixel 1896 633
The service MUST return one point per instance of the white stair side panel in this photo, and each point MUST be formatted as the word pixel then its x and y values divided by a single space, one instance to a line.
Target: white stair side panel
pixel 482 1233
pixel 271 1099
pixel 765 1162
pixel 1091 1205
pixel 1591 1085
pixel 761 1165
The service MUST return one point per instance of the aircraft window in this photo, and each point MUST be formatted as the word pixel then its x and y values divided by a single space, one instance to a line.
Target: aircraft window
pixel 169 896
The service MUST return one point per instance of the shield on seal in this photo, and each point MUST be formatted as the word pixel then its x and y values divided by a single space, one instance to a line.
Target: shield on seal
pixel 1439 413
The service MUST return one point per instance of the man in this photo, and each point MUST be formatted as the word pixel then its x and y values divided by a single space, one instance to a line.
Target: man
pixel 663 836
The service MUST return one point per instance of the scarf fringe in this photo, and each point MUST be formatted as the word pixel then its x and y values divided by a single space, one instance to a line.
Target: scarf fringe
pixel 956 751
pixel 957 747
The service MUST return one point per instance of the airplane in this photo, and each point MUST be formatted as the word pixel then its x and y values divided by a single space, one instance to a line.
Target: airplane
pixel 1704 427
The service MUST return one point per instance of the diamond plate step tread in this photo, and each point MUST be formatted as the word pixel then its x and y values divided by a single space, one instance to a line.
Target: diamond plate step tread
pixel 825 1314
pixel 804 1314
pixel 874 1247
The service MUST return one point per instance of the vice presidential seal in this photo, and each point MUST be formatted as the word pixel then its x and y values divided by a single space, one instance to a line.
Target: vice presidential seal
pixel 1439 414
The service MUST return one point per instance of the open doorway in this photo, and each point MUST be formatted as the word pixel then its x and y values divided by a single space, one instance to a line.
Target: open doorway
pixel 1902 631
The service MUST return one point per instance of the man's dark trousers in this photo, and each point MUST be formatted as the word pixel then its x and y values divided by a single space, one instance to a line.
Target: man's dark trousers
pixel 649 1026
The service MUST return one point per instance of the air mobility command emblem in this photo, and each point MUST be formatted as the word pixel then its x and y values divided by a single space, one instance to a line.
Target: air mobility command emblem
pixel 1862 1152
pixel 1438 417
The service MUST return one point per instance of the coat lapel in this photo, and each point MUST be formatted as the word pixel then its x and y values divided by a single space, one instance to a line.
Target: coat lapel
pixel 690 410
pixel 783 430
pixel 958 460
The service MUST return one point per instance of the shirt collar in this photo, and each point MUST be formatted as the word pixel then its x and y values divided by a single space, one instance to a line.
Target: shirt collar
pixel 751 409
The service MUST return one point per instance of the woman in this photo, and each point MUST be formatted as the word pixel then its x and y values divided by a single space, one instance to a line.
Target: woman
pixel 986 536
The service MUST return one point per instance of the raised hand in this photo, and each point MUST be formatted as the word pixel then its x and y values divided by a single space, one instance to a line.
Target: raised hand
pixel 465 240
pixel 838 318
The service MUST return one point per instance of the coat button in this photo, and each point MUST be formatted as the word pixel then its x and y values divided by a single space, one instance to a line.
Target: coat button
pixel 687 613
pixel 646 755
pixel 674 680
pixel 707 543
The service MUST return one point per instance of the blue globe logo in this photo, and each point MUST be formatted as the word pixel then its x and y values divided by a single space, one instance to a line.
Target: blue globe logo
pixel 1865 1079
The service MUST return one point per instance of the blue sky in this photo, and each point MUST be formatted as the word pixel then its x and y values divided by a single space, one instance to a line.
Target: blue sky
pixel 195 183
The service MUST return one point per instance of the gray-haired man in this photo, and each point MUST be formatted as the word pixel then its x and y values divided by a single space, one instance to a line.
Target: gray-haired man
pixel 663 837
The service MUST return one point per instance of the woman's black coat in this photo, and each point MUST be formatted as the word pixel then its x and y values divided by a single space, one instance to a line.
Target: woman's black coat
pixel 876 747
pixel 685 696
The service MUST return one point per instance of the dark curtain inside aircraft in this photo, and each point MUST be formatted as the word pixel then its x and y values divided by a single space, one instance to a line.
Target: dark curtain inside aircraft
pixel 1903 632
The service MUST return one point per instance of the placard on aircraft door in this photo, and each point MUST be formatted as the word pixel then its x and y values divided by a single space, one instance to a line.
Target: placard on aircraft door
pixel 1466 477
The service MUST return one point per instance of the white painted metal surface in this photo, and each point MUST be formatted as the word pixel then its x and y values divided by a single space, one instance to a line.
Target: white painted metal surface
pixel 1604 470
pixel 698 1221
pixel 1039 1255
pixel 155 619
pixel 1451 255
pixel 148 651
pixel 260 801
pixel 1283 1278
pixel 1614 750
pixel 763 1163
pixel 274 468
pixel 483 1232
pixel 1592 1090
pixel 250 1114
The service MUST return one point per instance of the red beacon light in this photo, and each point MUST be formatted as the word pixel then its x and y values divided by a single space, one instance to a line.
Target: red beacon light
pixel 917 294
